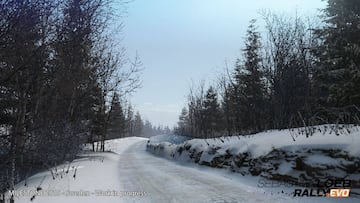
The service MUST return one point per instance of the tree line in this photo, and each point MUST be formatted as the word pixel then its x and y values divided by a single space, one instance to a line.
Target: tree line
pixel 61 74
pixel 123 122
pixel 297 73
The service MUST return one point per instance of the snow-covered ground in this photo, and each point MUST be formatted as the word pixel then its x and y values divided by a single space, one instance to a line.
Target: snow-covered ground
pixel 87 179
pixel 295 156
pixel 138 176
pixel 260 144
pixel 131 174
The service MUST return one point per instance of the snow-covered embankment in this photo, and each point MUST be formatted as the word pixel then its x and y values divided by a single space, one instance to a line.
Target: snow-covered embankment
pixel 285 155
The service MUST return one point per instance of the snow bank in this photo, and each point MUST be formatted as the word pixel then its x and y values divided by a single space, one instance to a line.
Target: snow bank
pixel 91 178
pixel 296 154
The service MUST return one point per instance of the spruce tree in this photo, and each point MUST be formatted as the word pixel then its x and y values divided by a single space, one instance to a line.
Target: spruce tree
pixel 337 77
pixel 183 123
pixel 249 89
pixel 138 125
pixel 253 85
pixel 116 128
pixel 211 114
pixel 129 121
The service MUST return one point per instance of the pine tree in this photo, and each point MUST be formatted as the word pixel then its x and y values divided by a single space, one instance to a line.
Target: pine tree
pixel 248 93
pixel 195 115
pixel 138 125
pixel 183 123
pixel 129 122
pixel 229 110
pixel 238 98
pixel 148 129
pixel 254 88
pixel 72 56
pixel 116 128
pixel 338 74
pixel 96 117
pixel 211 114
pixel 22 61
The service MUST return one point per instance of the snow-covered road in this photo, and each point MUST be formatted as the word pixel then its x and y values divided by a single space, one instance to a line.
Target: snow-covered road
pixel 166 181
pixel 134 175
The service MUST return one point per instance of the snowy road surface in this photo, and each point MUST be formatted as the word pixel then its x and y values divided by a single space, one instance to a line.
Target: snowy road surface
pixel 131 174
pixel 166 181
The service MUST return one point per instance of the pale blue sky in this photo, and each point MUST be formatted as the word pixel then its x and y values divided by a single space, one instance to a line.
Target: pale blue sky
pixel 180 41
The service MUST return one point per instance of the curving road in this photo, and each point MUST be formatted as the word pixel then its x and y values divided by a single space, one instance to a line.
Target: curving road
pixel 166 181
pixel 139 176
